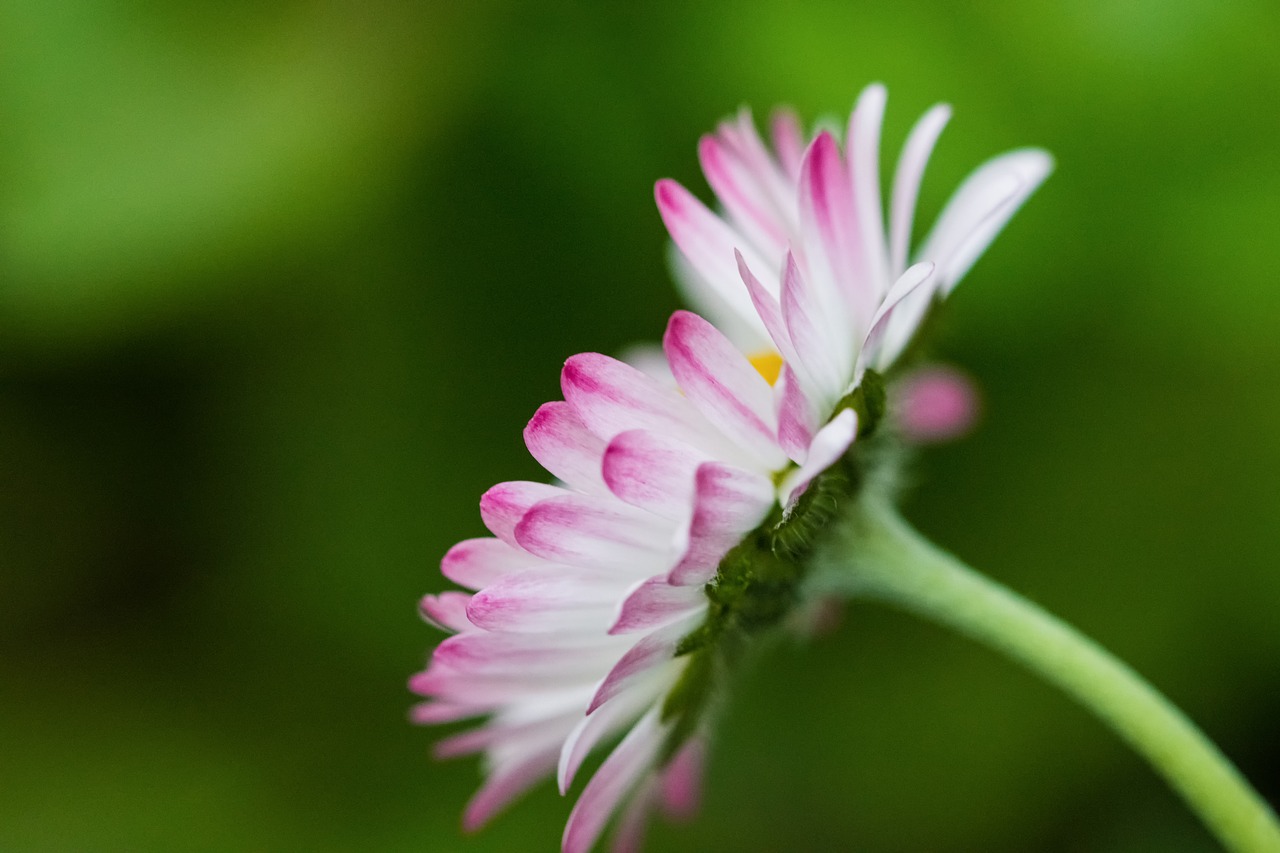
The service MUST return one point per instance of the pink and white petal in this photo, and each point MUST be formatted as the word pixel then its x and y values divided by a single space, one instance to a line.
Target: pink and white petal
pixel 562 444
pixel 452 698
pixel 476 563
pixel 424 684
pixel 634 822
pixel 483 654
pixel 435 712
pixel 504 784
pixel 447 611
pixel 743 195
pixel 906 183
pixel 728 503
pixel 742 136
pixel 797 418
pixel 863 146
pixel 655 602
pixel 723 385
pixel 818 349
pixel 465 743
pixel 493 690
pixel 649 470
pixel 707 241
pixel 604 722
pixel 653 650
pixel 788 141
pixel 609 537
pixel 832 246
pixel 918 278
pixel 500 736
pixel 745 331
pixel 540 602
pixel 612 397
pixel 829 444
pixel 681 780
pixel 502 507
pixel 569 704
pixel 900 327
pixel 619 774
pixel 980 208
pixel 771 315
pixel 768 310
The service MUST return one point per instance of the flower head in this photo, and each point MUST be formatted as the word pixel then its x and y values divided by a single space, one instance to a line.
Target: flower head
pixel 600 606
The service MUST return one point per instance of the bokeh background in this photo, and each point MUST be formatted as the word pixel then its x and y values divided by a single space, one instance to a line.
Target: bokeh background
pixel 281 283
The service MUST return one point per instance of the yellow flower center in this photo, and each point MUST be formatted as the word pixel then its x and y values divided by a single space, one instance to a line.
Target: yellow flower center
pixel 768 364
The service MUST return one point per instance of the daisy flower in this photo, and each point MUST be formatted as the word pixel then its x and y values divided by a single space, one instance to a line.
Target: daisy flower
pixel 604 606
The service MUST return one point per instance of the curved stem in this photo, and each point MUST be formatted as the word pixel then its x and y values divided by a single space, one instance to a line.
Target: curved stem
pixel 893 563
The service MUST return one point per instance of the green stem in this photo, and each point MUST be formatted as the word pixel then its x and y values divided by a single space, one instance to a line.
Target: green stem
pixel 895 564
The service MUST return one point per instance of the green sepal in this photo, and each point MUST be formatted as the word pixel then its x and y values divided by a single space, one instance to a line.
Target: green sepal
pixel 868 401
pixel 697 639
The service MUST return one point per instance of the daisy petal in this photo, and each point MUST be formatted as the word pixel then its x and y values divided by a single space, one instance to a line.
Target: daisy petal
pixel 708 244
pixel 541 602
pixel 616 777
pixel 655 602
pixel 829 444
pixel 496 736
pixel 591 534
pixel 681 780
pixel 629 835
pixel 739 189
pixel 502 507
pixel 906 182
pixel 914 284
pixel 504 784
pixel 602 723
pixel 476 563
pixel 447 611
pixel 748 333
pixel 492 691
pixel 980 208
pixel 435 711
pixel 482 654
pixel 728 503
pixel 742 137
pixel 653 650
pixel 818 350
pixel 611 397
pixel 788 141
pixel 562 444
pixel 863 143
pixel 768 309
pixel 648 470
pixel 829 224
pixel 723 385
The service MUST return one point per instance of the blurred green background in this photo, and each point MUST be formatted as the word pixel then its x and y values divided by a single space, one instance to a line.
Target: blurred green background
pixel 281 283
